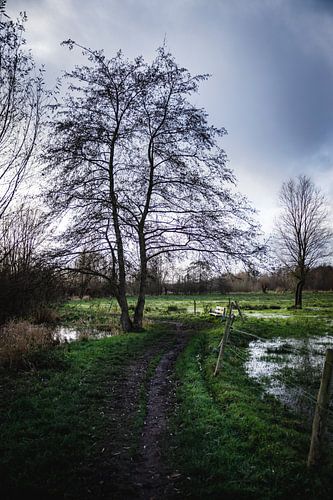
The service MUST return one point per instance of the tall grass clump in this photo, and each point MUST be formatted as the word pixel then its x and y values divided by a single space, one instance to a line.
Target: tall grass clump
pixel 45 315
pixel 19 340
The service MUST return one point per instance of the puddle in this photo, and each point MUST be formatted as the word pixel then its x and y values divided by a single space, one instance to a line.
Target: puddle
pixel 268 361
pixel 68 334
pixel 268 315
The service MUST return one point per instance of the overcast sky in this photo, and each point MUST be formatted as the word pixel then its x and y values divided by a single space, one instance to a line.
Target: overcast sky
pixel 271 63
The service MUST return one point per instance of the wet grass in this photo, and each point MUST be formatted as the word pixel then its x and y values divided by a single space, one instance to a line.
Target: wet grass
pixel 101 312
pixel 52 419
pixel 229 440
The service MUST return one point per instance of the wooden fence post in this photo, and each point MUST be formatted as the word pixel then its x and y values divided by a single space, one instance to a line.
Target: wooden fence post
pixel 239 310
pixel 195 307
pixel 228 325
pixel 320 418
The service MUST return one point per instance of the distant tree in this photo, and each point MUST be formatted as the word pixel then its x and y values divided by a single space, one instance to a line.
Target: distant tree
pixel 21 91
pixel 304 237
pixel 141 172
pixel 198 276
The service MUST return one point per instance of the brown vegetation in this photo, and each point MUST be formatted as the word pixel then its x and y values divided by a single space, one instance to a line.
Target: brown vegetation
pixel 19 339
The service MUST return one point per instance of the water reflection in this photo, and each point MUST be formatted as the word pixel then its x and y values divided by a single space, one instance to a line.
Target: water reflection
pixel 70 334
pixel 270 315
pixel 289 369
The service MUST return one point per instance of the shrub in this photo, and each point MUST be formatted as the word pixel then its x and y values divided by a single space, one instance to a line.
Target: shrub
pixel 175 308
pixel 207 307
pixel 45 315
pixel 172 308
pixel 21 339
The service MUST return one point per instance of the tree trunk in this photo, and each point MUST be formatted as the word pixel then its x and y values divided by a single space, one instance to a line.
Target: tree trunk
pixel 140 305
pixel 126 322
pixel 298 294
pixel 138 314
pixel 125 319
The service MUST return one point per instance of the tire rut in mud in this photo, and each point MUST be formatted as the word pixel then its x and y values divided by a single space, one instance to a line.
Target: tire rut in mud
pixel 120 470
pixel 152 476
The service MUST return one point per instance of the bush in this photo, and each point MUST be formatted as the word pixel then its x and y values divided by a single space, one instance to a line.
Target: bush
pixel 45 314
pixel 21 339
pixel 172 308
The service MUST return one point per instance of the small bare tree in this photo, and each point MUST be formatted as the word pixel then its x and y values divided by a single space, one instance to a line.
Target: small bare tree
pixel 304 237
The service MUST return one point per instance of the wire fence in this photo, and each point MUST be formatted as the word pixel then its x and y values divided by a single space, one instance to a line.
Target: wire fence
pixel 319 407
pixel 280 378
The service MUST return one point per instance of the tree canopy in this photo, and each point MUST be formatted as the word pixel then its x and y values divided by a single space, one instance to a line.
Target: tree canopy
pixel 141 172
pixel 21 92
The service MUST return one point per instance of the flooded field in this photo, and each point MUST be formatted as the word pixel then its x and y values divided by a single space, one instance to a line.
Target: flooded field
pixel 290 369
pixel 270 315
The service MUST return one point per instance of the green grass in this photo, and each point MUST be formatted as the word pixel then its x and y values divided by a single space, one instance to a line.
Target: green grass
pixel 233 441
pixel 101 312
pixel 52 418
pixel 229 439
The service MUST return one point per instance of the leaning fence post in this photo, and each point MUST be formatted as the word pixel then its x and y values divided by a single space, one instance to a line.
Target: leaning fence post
pixel 228 325
pixel 320 417
pixel 239 310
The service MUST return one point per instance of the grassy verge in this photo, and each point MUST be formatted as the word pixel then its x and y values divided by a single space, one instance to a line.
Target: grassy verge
pixel 233 441
pixel 53 418
pixel 230 439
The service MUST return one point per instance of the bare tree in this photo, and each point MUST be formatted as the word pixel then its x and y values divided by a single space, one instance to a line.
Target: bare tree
pixel 23 231
pixel 303 234
pixel 141 172
pixel 26 279
pixel 21 90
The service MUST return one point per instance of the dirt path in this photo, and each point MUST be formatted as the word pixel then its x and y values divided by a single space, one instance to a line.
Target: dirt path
pixel 152 476
pixel 121 470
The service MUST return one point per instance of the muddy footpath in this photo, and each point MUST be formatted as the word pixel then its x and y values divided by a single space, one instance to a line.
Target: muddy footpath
pixel 125 468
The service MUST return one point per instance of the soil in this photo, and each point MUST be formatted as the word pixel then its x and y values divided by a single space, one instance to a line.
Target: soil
pixel 122 468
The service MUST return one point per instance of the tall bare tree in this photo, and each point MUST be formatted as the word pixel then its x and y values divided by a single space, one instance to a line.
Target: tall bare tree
pixel 304 230
pixel 141 171
pixel 21 91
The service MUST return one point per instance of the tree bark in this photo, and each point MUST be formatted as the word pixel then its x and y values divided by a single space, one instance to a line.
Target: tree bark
pixel 298 294
pixel 138 313
pixel 125 319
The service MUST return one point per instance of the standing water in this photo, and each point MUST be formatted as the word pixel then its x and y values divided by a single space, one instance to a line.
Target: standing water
pixel 277 363
pixel 69 334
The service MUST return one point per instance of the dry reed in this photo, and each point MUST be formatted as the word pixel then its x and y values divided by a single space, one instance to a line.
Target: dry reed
pixel 19 339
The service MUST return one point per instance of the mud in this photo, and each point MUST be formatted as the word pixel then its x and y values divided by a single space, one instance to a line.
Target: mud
pixel 121 469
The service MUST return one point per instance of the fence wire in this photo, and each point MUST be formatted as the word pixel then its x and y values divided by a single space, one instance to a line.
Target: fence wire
pixel 289 385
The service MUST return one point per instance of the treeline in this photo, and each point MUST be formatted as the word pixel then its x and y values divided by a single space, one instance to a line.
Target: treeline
pixel 30 281
pixel 318 279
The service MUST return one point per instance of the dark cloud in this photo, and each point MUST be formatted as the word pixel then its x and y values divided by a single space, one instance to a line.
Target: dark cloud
pixel 322 4
pixel 271 63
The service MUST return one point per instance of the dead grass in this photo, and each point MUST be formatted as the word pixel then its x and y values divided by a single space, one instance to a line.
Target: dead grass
pixel 45 315
pixel 19 339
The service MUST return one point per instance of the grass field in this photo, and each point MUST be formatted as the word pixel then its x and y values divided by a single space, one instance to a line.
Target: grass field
pixel 227 437
pixel 315 304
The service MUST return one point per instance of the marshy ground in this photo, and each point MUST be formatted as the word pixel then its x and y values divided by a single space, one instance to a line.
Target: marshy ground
pixel 141 415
